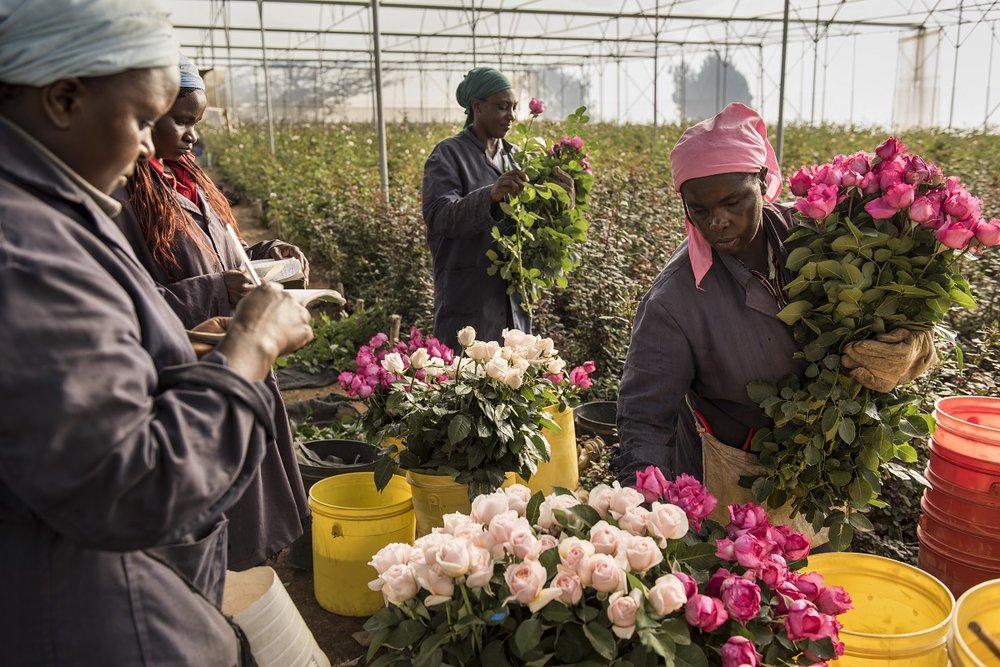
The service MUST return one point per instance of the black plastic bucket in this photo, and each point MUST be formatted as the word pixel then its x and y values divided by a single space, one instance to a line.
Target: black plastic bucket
pixel 357 456
pixel 598 418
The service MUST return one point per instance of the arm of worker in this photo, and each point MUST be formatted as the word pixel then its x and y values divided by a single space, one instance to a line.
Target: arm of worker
pixel 97 443
pixel 659 369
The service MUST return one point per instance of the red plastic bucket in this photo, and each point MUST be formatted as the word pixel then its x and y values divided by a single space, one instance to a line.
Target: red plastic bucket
pixel 962 536
pixel 964 472
pixel 970 426
pixel 981 515
pixel 958 574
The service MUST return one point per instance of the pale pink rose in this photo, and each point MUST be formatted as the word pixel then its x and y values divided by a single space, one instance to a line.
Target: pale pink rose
pixel 623 498
pixel 428 546
pixel 899 196
pixel 453 558
pixel 634 520
pixel 809 583
pixel 741 598
pixel 890 148
pixel 642 553
pixel 600 499
pixel 513 378
pixel 391 554
pixel 503 524
pixel 924 209
pixel 667 595
pixel 569 583
pixel 833 600
pixel 552 502
pixel 745 517
pixel 988 233
pixel 487 506
pixel 518 496
pixel 523 543
pixel 804 621
pixel 481 570
pixel 819 202
pixel 525 580
pixel 456 521
pixel 399 584
pixel 622 610
pixel 546 542
pixel 739 651
pixel 773 570
pixel 472 532
pixel 667 521
pixel 605 537
pixel 690 585
pixel 705 612
pixel 439 585
pixel 573 552
pixel 602 573
pixel 800 182
pixel 651 483
pixel 954 234
pixel 879 209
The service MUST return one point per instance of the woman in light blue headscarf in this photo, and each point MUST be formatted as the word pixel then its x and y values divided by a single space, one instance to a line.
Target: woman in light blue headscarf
pixel 465 178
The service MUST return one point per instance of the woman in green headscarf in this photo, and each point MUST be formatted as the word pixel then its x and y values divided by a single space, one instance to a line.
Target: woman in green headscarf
pixel 465 178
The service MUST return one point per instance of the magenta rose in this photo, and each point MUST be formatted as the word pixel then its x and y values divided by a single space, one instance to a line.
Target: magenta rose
pixel 690 585
pixel 869 184
pixel 954 234
pixel 808 583
pixel 988 233
pixel 741 598
pixel 651 483
pixel 688 493
pixel 800 182
pixel 725 550
pixel 749 550
pixel 714 583
pixel 924 209
pixel 961 205
pixel 899 196
pixel 739 651
pixel 804 621
pixel 819 202
pixel 773 570
pixel 743 518
pixel 890 148
pixel 793 544
pixel 536 106
pixel 833 600
pixel 880 209
pixel 827 175
pixel 705 612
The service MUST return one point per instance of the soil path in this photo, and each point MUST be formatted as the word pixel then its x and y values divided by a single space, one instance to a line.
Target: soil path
pixel 333 633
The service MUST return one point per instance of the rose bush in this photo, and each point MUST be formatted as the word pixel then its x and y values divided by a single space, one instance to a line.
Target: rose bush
pixel 875 251
pixel 558 580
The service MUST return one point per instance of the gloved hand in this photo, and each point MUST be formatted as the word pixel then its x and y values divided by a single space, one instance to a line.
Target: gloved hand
pixel 565 181
pixel 890 359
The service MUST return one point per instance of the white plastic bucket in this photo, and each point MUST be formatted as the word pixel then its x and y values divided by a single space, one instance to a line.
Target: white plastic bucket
pixel 278 636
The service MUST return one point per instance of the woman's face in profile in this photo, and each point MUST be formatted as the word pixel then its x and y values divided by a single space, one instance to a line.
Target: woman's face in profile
pixel 494 116
pixel 726 209
pixel 174 134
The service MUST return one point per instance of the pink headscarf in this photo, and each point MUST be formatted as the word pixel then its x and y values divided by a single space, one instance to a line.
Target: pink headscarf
pixel 734 141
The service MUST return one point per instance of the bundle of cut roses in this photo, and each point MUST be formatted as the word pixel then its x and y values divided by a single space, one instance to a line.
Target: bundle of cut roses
pixel 612 579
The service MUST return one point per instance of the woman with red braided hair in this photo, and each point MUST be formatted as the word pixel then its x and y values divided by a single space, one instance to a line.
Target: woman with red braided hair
pixel 174 217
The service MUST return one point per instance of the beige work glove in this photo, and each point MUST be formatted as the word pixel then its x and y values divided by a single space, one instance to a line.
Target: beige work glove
pixel 890 359
pixel 565 181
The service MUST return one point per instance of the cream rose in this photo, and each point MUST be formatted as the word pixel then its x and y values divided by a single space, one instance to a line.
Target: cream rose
pixel 605 537
pixel 667 522
pixel 487 506
pixel 399 584
pixel 602 573
pixel 642 553
pixel 667 595
pixel 622 610
pixel 466 336
pixel 453 558
pixel 518 496
pixel 393 363
pixel 573 552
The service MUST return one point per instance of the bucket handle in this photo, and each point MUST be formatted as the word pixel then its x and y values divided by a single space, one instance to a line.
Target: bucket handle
pixel 336 530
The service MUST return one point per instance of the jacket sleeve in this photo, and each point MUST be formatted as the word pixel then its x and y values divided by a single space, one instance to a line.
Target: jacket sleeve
pixel 659 370
pixel 449 211
pixel 97 443
pixel 197 298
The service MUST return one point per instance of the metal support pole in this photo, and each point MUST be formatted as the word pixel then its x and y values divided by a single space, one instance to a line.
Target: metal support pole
pixel 812 107
pixel 267 78
pixel 989 75
pixel 656 72
pixel 781 85
pixel 954 74
pixel 383 164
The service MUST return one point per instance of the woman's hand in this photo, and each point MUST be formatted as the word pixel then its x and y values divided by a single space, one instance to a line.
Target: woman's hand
pixel 287 250
pixel 215 325
pixel 238 285
pixel 268 323
pixel 510 183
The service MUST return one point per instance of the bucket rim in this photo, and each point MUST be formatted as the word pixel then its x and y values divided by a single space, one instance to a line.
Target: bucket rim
pixel 959 639
pixel 944 623
pixel 941 408
pixel 384 511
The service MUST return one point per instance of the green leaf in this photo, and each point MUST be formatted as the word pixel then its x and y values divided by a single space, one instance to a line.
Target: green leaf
pixel 762 488
pixel 797 258
pixel 660 642
pixel 691 655
pixel 406 634
pixel 962 298
pixel 759 391
pixel 527 636
pixel 601 639
pixel 531 511
pixel 794 311
pixel 459 428
pixel 846 430
pixel 861 522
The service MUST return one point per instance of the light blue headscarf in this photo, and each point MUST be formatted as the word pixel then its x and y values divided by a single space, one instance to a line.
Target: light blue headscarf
pixel 189 74
pixel 42 41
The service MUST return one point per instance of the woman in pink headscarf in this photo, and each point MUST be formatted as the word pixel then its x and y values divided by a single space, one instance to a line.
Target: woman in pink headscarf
pixel 708 325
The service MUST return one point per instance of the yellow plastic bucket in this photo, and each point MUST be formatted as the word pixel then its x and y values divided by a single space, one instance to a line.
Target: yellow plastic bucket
pixel 434 496
pixel 901 614
pixel 563 467
pixel 351 521
pixel 980 604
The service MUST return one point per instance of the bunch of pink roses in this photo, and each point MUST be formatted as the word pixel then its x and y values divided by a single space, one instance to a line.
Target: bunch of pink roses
pixel 556 579
pixel 893 181
pixel 380 363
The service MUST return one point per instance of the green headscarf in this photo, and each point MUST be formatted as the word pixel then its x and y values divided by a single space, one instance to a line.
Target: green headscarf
pixel 478 84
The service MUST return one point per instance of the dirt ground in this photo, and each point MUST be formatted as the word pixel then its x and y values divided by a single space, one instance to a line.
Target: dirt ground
pixel 333 633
